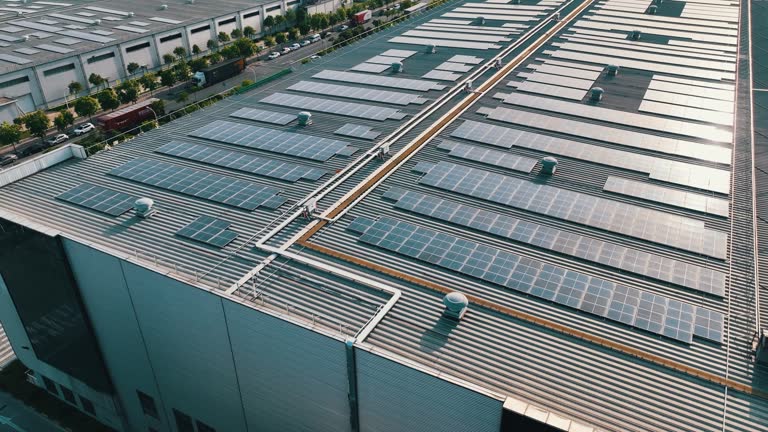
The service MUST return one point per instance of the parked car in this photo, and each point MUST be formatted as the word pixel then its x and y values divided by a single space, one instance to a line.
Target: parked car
pixel 305 42
pixel 295 46
pixel 56 139
pixel 342 28
pixel 314 38
pixel 274 55
pixel 286 50
pixel 314 57
pixel 8 159
pixel 84 128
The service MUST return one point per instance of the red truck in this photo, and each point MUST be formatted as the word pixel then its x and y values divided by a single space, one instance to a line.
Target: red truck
pixel 362 17
pixel 128 117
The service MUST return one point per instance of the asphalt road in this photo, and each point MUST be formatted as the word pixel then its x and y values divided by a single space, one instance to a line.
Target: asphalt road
pixel 17 417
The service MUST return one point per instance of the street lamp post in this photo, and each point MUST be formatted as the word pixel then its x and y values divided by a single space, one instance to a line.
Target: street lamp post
pixel 157 120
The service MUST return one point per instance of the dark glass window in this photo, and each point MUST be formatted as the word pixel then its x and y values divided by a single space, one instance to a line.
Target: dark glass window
pixel 50 385
pixel 170 37
pixel 199 29
pixel 251 14
pixel 87 405
pixel 183 421
pixel 270 9
pixel 202 427
pixel 59 69
pixel 227 21
pixel 147 404
pixel 101 57
pixel 68 395
pixel 137 47
pixel 14 82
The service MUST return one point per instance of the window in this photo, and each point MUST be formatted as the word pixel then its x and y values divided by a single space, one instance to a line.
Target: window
pixel 147 404
pixel 87 405
pixel 183 421
pixel 170 37
pixel 99 58
pixel 202 427
pixel 251 14
pixel 50 386
pixel 13 82
pixel 68 395
pixel 60 69
pixel 227 21
pixel 199 29
pixel 291 3
pixel 270 9
pixel 137 47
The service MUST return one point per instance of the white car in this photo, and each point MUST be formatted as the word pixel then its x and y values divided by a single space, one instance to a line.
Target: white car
pixel 274 55
pixel 343 28
pixel 295 46
pixel 58 139
pixel 286 50
pixel 305 42
pixel 84 128
pixel 314 57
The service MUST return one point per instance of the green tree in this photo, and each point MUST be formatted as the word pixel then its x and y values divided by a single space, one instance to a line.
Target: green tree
pixel 148 81
pixel 223 37
pixel 279 20
pixel 280 37
pixel 304 29
pixel 269 22
pixel 10 134
pixel 96 79
pixel 212 44
pixel 169 58
pixel 405 4
pixel 133 67
pixel 214 58
pixel 167 78
pixel 290 16
pixel 128 91
pixel 180 52
pixel 182 71
pixel 236 33
pixel 230 52
pixel 86 106
pixel 198 64
pixel 269 41
pixel 64 120
pixel 75 87
pixel 37 123
pixel 244 46
pixel 249 32
pixel 195 49
pixel 158 107
pixel 108 99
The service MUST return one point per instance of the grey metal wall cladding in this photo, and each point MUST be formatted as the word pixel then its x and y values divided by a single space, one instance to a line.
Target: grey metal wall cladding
pixel 395 397
pixel 186 338
pixel 292 379
pixel 106 299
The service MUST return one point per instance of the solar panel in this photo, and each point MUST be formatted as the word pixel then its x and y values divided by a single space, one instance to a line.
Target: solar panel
pixel 381 96
pixel 673 197
pixel 556 80
pixel 87 36
pixel 586 248
pixel 131 29
pixel 72 18
pixel 622 137
pixel 689 100
pixel 14 59
pixel 549 90
pixel 199 184
pixel 488 156
pixel 641 121
pixel 67 41
pixel 441 75
pixel 264 116
pixel 242 162
pixel 109 11
pixel 27 51
pixel 709 324
pixel 398 53
pixel 165 20
pixel 630 220
pixel 349 109
pixel 466 59
pixel 580 291
pixel 384 60
pixel 380 81
pixel 370 67
pixel 444 43
pixel 687 112
pixel 357 131
pixel 442 34
pixel 682 173
pixel 99 198
pixel 271 140
pixel 209 230
pixel 453 67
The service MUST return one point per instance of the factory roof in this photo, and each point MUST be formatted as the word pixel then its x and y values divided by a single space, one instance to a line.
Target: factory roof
pixel 599 235
pixel 39 32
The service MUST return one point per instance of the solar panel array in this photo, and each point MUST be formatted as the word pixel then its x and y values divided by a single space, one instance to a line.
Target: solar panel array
pixel 99 198
pixel 271 140
pixel 199 184
pixel 380 81
pixel 682 173
pixel 264 116
pixel 673 197
pixel 209 230
pixel 575 245
pixel 488 156
pixel 357 131
pixel 242 162
pixel 633 307
pixel 381 96
pixel 634 221
pixel 349 109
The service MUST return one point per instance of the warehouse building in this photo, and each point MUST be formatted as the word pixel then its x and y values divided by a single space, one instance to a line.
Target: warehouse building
pixel 45 45
pixel 541 220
